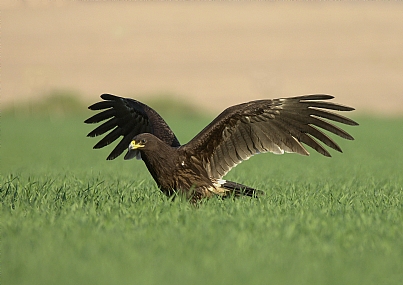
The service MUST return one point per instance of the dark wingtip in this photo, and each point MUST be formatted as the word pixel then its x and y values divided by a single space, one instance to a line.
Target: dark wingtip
pixel 350 138
pixel 347 108
pixel 95 106
pixel 323 151
pixel 354 123
pixel 315 97
pixel 92 107
pixel 106 96
pixel 350 122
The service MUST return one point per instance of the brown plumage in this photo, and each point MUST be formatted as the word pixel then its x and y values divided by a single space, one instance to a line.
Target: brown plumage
pixel 196 169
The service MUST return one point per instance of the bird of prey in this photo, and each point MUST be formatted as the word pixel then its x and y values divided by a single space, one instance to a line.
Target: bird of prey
pixel 196 169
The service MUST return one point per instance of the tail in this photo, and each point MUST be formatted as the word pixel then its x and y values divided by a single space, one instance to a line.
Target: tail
pixel 237 189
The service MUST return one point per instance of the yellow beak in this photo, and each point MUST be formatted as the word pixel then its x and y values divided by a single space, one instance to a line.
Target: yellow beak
pixel 135 145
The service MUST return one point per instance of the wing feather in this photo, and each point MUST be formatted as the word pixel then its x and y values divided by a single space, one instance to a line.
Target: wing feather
pixel 127 118
pixel 103 128
pixel 112 136
pixel 104 115
pixel 278 126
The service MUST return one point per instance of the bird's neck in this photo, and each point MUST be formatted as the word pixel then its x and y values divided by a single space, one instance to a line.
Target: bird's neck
pixel 160 163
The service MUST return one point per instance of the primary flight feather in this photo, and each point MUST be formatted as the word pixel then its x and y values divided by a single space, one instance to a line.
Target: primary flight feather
pixel 196 169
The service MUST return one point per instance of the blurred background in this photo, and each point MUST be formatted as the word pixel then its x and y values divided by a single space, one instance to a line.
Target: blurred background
pixel 69 214
pixel 207 53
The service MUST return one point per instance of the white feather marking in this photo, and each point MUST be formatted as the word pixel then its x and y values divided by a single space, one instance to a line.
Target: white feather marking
pixel 278 151
pixel 218 182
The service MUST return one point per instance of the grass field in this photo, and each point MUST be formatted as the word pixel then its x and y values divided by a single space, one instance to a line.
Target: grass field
pixel 68 216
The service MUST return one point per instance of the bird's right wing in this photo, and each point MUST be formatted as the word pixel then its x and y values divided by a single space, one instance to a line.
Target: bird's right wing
pixel 277 126
pixel 127 118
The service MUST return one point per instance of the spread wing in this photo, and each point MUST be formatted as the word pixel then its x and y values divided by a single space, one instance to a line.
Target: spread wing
pixel 277 126
pixel 127 118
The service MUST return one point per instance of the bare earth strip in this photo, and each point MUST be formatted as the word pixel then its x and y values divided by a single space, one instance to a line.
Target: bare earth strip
pixel 215 54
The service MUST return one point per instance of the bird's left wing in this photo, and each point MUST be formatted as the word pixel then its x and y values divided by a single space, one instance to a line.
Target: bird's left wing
pixel 277 126
pixel 127 118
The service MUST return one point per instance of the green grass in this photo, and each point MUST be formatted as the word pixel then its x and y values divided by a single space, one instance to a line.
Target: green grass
pixel 68 216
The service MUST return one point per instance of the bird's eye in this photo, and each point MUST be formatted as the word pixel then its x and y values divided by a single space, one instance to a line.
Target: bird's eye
pixel 142 141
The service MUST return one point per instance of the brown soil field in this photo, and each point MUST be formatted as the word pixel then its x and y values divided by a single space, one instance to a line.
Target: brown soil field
pixel 212 53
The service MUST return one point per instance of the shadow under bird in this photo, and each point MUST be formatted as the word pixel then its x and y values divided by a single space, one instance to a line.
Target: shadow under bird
pixel 196 169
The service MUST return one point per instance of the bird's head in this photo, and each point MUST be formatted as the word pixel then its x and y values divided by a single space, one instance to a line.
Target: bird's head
pixel 137 144
pixel 141 142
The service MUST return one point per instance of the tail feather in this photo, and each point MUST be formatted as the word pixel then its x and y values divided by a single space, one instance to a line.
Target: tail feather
pixel 238 189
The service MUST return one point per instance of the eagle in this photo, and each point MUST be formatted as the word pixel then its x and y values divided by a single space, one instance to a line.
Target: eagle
pixel 196 169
